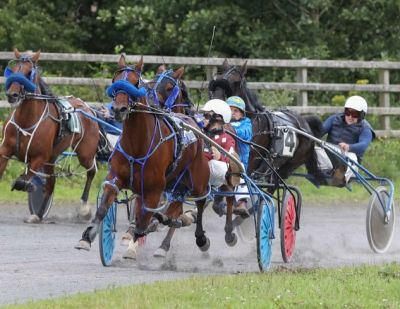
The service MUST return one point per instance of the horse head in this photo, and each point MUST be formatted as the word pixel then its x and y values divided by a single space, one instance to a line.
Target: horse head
pixel 167 90
pixel 21 76
pixel 231 81
pixel 124 89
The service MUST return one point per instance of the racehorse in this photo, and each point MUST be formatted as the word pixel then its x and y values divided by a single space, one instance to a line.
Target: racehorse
pixel 149 159
pixel 37 131
pixel 164 89
pixel 231 82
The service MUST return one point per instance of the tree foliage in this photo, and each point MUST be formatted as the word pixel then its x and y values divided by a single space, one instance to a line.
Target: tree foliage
pixel 317 29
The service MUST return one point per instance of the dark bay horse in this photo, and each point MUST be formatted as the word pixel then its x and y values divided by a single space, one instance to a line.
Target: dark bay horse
pixel 231 81
pixel 149 160
pixel 172 94
pixel 36 132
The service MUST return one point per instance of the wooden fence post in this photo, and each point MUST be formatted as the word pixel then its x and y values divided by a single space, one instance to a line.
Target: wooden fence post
pixel 302 96
pixel 384 98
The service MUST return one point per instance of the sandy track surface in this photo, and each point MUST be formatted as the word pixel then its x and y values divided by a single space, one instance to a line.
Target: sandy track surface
pixel 38 261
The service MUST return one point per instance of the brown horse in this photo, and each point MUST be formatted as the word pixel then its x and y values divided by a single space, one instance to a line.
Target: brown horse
pixel 163 86
pixel 149 160
pixel 36 132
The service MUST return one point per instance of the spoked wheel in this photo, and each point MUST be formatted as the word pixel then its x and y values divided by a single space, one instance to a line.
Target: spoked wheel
pixel 107 232
pixel 37 198
pixel 287 224
pixel 379 230
pixel 265 228
pixel 246 227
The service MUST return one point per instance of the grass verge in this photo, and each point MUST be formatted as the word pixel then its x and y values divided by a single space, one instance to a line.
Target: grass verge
pixel 360 287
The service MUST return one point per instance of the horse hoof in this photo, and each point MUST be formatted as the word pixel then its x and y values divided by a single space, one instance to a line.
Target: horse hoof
pixel 83 245
pixel 206 246
pixel 85 212
pixel 32 219
pixel 231 239
pixel 126 238
pixel 186 219
pixel 131 252
pixel 160 253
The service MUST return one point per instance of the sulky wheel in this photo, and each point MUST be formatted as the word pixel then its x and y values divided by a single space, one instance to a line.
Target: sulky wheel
pixel 37 200
pixel 265 226
pixel 107 232
pixel 379 230
pixel 287 224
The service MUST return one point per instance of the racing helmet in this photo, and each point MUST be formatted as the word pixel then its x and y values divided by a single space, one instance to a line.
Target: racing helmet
pixel 357 103
pixel 220 108
pixel 237 102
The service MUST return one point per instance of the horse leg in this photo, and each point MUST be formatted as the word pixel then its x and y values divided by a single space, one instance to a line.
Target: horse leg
pixel 5 153
pixel 202 241
pixel 108 197
pixel 230 237
pixel 142 227
pixel 174 211
pixel 84 211
pixel 165 245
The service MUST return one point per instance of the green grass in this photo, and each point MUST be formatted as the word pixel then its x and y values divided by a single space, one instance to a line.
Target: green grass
pixel 360 287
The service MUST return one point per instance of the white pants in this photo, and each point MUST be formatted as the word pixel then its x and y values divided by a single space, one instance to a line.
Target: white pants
pixel 218 171
pixel 349 173
pixel 324 163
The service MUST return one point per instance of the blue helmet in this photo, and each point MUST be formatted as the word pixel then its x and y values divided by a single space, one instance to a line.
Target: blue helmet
pixel 237 102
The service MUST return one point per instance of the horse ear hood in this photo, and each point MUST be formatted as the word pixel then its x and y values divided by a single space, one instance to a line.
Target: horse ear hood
pixel 179 73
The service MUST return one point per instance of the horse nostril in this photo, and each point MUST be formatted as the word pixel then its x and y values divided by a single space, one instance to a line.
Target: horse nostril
pixel 123 109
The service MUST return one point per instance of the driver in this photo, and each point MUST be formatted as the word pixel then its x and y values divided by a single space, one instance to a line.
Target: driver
pixel 351 133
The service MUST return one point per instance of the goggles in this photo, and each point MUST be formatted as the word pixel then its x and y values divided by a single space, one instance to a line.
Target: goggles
pixel 212 116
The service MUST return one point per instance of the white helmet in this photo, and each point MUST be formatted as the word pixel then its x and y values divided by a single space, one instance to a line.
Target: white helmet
pixel 356 102
pixel 219 107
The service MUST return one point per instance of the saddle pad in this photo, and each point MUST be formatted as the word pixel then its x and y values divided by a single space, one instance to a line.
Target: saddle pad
pixel 73 123
pixel 188 136
pixel 284 142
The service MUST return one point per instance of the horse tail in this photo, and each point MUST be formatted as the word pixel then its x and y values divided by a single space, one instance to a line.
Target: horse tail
pixel 315 124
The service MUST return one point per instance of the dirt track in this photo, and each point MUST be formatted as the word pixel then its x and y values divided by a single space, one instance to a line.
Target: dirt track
pixel 38 261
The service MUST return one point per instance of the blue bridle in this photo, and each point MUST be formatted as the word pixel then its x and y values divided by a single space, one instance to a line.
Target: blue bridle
pixel 170 102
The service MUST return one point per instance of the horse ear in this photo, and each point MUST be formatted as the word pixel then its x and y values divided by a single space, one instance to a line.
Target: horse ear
pixel 225 65
pixel 243 69
pixel 161 68
pixel 121 61
pixel 139 65
pixel 36 56
pixel 17 53
pixel 178 73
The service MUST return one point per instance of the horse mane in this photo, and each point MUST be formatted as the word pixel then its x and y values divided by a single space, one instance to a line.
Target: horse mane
pixel 185 94
pixel 44 88
pixel 252 98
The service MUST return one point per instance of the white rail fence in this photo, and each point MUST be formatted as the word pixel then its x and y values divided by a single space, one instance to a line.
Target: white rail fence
pixel 302 86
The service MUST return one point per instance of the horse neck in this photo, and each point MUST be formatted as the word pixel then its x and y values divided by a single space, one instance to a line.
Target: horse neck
pixel 138 133
pixel 29 112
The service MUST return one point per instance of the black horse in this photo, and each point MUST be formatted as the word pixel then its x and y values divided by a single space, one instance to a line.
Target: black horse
pixel 281 150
